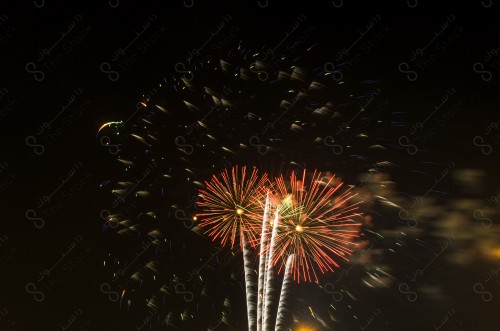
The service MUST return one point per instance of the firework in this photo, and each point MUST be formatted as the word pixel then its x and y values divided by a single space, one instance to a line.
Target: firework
pixel 319 231
pixel 232 209
pixel 232 206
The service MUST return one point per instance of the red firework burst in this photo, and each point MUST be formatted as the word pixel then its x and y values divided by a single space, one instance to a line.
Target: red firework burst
pixel 316 224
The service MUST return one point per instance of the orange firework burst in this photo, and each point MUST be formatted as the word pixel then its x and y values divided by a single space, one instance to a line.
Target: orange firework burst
pixel 316 224
pixel 232 205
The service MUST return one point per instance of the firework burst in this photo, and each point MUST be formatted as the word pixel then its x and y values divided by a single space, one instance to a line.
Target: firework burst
pixel 232 206
pixel 316 224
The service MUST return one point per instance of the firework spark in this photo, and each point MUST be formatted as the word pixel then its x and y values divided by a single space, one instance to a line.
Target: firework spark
pixel 319 228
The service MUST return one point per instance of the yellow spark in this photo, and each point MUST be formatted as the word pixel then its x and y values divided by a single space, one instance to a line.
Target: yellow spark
pixel 109 124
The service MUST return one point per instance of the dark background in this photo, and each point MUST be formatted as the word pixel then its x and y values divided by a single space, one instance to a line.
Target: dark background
pixel 33 91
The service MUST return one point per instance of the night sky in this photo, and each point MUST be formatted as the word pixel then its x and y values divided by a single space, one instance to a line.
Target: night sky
pixel 66 69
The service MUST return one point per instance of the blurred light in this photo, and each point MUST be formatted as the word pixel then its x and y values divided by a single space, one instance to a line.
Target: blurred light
pixel 494 253
pixel 304 328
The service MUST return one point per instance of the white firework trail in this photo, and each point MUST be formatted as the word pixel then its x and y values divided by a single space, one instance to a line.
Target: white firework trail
pixel 262 265
pixel 285 293
pixel 249 284
pixel 269 289
pixel 263 318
